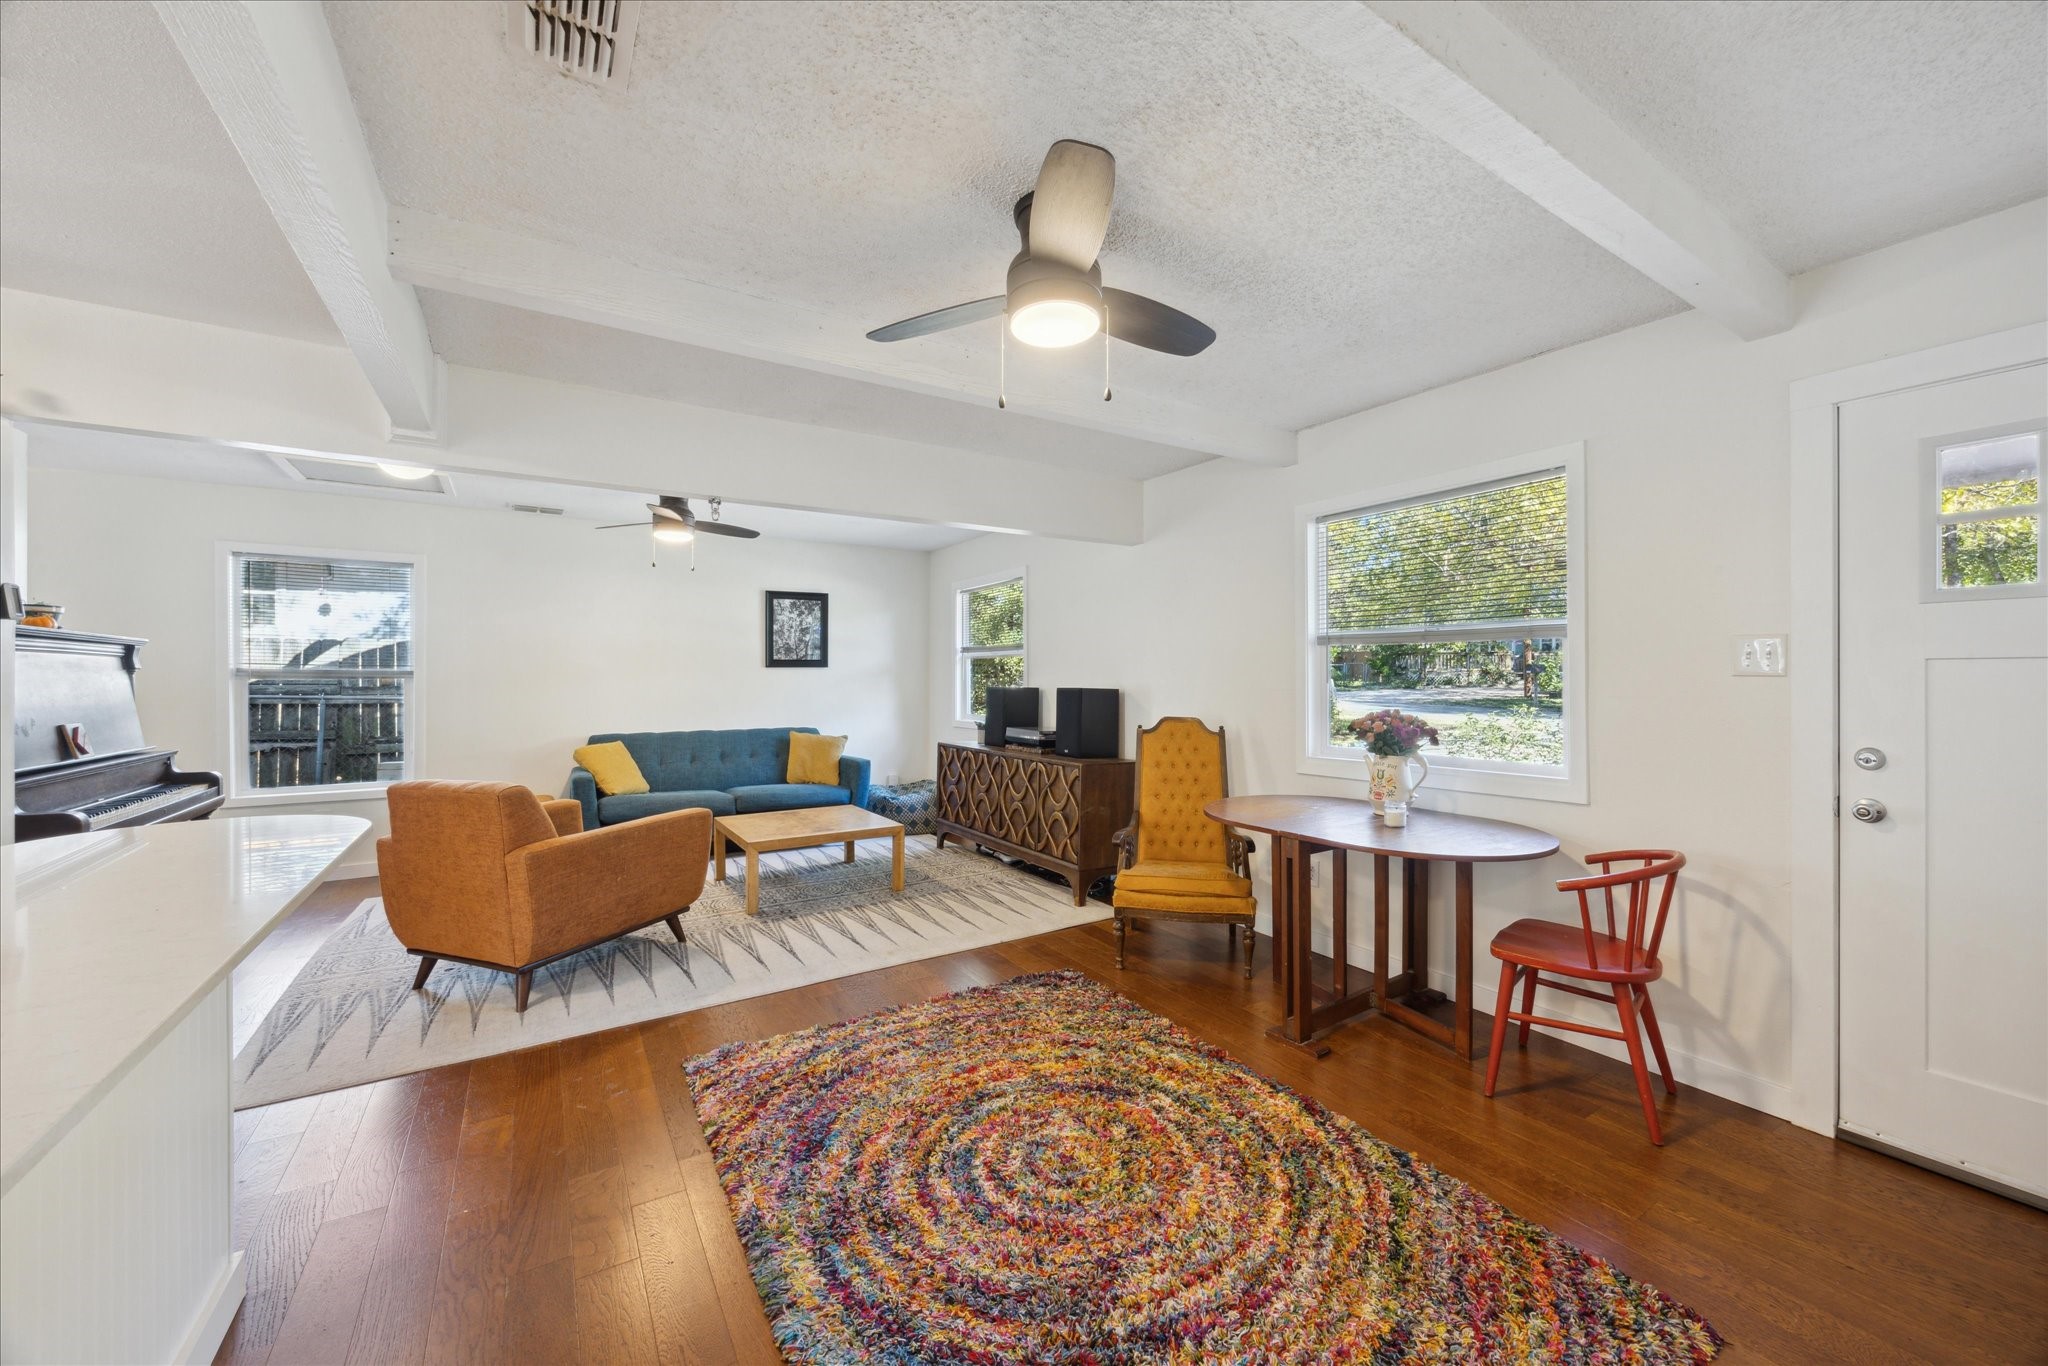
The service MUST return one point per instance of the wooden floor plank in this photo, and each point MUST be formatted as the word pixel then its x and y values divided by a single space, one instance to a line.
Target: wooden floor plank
pixel 324 1146
pixel 612 1320
pixel 689 1324
pixel 543 1204
pixel 398 1294
pixel 328 1298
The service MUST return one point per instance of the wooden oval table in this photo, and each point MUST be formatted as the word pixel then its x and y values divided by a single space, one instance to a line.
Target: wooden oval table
pixel 1301 828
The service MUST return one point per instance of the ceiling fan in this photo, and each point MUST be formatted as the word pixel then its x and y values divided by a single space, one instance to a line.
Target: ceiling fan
pixel 673 523
pixel 1054 295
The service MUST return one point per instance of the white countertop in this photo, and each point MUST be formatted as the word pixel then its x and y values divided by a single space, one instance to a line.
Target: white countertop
pixel 107 940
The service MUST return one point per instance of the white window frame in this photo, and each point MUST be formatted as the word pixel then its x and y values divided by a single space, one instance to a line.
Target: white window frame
pixel 963 652
pixel 236 681
pixel 1315 754
pixel 1932 517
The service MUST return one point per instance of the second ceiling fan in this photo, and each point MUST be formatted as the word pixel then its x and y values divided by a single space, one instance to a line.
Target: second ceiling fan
pixel 1054 295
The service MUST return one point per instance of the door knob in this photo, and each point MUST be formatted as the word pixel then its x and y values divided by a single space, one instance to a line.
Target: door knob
pixel 1869 810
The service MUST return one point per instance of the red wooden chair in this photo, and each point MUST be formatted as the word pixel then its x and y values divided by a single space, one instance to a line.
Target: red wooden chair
pixel 1627 964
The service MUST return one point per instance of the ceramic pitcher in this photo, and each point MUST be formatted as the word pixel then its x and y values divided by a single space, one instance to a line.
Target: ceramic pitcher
pixel 1394 781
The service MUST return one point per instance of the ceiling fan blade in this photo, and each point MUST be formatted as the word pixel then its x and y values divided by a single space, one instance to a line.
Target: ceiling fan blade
pixel 938 320
pixel 725 529
pixel 617 525
pixel 1154 325
pixel 1070 206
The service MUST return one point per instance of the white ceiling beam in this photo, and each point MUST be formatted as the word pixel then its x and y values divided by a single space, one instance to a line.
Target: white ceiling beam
pixel 271 73
pixel 478 262
pixel 1454 68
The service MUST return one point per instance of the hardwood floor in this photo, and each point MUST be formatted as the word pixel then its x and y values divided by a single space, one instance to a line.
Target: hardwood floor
pixel 559 1204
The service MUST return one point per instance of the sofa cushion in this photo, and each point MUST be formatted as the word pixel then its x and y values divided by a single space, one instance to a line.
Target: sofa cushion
pixel 611 764
pixel 716 760
pixel 814 758
pixel 788 796
pixel 633 805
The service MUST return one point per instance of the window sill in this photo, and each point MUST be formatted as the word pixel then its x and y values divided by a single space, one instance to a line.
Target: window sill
pixel 304 796
pixel 1445 777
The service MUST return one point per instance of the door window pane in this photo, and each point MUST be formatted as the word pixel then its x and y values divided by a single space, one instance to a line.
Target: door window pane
pixel 1990 552
pixel 2002 472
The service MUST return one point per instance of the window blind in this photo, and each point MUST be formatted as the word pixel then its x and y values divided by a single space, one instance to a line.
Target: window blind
pixel 332 615
pixel 992 616
pixel 1480 561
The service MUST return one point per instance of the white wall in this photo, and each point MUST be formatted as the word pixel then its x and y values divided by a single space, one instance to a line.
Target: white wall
pixel 532 632
pixel 1688 542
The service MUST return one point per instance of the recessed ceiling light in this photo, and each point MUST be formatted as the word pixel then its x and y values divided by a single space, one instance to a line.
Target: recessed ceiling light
pixel 405 471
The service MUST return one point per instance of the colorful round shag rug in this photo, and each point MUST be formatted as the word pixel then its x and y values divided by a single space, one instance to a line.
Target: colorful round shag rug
pixel 1044 1172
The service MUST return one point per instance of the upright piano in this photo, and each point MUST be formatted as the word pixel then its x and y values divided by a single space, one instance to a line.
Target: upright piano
pixel 80 762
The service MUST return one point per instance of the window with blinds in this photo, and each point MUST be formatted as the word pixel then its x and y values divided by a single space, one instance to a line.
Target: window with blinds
pixel 990 642
pixel 1453 606
pixel 321 662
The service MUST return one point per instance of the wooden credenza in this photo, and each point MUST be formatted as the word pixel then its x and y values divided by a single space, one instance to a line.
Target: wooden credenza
pixel 1038 806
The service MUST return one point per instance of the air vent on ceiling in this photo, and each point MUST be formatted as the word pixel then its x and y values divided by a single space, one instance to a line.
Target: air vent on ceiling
pixel 591 40
pixel 536 508
pixel 368 476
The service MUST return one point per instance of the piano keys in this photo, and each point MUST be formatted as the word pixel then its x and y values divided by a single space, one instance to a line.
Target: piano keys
pixel 72 683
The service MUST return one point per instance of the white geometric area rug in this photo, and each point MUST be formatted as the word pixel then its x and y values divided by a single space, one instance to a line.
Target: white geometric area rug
pixel 351 1016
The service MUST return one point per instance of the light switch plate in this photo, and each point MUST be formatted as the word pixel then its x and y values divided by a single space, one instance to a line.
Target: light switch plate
pixel 1763 656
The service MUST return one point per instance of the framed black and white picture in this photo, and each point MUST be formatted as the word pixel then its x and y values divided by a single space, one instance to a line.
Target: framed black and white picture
pixel 799 633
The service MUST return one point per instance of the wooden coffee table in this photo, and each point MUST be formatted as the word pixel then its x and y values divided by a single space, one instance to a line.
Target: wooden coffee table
pixel 762 832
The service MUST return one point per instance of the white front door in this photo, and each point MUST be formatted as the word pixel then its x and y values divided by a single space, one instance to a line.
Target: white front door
pixel 1944 777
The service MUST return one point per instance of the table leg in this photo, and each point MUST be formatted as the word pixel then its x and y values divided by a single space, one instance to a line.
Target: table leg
pixel 1283 917
pixel 718 849
pixel 1340 931
pixel 1461 1023
pixel 1301 982
pixel 849 852
pixel 753 881
pixel 1415 924
pixel 896 862
pixel 1381 912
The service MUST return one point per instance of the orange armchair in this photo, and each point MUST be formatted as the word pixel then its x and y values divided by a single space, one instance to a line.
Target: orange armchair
pixel 491 875
pixel 1178 863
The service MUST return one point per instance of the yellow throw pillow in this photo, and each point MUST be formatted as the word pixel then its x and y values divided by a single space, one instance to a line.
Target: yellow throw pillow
pixel 613 767
pixel 815 758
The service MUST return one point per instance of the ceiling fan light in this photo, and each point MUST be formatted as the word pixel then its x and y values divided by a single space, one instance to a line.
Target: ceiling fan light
pixel 1055 311
pixel 408 472
pixel 673 533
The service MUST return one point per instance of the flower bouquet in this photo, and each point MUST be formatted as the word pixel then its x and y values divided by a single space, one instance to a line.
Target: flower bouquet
pixel 1393 737
pixel 1393 732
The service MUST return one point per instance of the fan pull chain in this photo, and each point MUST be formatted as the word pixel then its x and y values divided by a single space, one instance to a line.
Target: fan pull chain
pixel 1003 365
pixel 1105 351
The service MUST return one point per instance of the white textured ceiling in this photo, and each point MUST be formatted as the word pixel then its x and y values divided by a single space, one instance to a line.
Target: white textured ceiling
pixel 84 448
pixel 119 186
pixel 1821 129
pixel 864 158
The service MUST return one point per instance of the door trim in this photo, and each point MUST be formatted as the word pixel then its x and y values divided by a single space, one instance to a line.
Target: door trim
pixel 1813 764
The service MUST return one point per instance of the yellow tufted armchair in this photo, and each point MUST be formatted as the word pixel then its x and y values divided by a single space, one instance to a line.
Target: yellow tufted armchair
pixel 1177 863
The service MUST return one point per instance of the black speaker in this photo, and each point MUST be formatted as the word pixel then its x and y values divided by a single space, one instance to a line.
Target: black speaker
pixel 1008 709
pixel 1089 722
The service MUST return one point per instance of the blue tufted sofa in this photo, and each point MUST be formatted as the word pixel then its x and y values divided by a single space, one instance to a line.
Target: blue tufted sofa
pixel 727 771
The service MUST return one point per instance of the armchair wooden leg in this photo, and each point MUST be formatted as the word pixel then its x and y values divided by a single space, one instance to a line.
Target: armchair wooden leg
pixel 419 979
pixel 675 925
pixel 1119 932
pixel 1502 1004
pixel 1251 944
pixel 523 983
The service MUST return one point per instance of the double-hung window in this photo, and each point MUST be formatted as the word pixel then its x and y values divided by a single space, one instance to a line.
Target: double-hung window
pixel 1457 602
pixel 990 642
pixel 321 672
